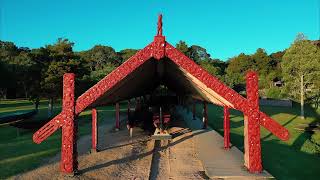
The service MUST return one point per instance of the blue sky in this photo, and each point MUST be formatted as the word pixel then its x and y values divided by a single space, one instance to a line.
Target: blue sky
pixel 224 27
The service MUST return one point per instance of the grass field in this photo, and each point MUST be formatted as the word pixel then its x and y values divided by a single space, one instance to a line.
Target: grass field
pixel 19 153
pixel 297 158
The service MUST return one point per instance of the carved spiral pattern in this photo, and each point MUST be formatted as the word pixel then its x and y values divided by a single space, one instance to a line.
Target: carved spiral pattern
pixel 253 129
pixel 157 49
pixel 94 132
pixel 91 95
pixel 249 106
pixel 69 154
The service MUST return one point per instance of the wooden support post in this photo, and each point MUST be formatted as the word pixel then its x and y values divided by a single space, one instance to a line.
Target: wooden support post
pixel 194 109
pixel 252 146
pixel 94 130
pixel 205 115
pixel 226 127
pixel 117 116
pixel 129 125
pixel 136 104
pixel 131 131
pixel 128 110
pixel 69 164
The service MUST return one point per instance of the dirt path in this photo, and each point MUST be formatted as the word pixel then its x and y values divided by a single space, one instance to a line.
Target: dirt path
pixel 176 159
pixel 122 157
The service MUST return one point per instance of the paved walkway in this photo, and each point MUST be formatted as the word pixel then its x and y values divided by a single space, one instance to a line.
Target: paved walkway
pixel 218 162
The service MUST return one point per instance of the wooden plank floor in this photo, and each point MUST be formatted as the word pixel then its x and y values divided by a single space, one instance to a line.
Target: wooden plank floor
pixel 221 163
pixel 218 162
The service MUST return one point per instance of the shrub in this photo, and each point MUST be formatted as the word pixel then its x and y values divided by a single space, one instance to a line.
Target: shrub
pixel 274 93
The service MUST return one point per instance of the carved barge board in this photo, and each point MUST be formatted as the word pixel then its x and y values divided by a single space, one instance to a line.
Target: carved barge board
pixel 208 87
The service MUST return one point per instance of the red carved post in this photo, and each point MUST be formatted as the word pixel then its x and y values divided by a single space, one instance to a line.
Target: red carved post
pixel 94 130
pixel 194 109
pixel 117 116
pixel 252 126
pixel 159 30
pixel 226 124
pixel 69 162
pixel 205 115
pixel 159 49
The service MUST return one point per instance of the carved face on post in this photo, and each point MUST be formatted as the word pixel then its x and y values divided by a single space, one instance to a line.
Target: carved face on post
pixel 158 49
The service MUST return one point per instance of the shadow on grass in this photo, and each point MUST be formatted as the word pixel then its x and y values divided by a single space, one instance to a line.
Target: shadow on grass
pixel 284 160
pixel 289 121
pixel 20 154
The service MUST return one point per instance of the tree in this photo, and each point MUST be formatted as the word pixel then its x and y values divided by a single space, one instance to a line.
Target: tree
pixel 275 72
pixel 97 75
pixel 52 79
pixel 277 56
pixel 125 54
pixel 263 64
pixel 61 60
pixel 41 56
pixel 301 70
pixel 5 79
pixel 26 73
pixel 236 70
pixel 97 57
pixel 198 53
pixel 8 51
pixel 182 47
pixel 61 50
pixel 213 68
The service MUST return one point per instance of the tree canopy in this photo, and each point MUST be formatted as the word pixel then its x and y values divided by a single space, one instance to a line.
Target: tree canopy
pixel 301 59
pixel 36 73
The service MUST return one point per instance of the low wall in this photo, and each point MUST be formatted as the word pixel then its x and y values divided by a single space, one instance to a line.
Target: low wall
pixel 276 102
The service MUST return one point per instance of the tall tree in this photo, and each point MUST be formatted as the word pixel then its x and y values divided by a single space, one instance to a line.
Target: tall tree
pixel 301 70
pixel 263 64
pixel 5 79
pixel 61 50
pixel 8 51
pixel 26 72
pixel 62 59
pixel 52 79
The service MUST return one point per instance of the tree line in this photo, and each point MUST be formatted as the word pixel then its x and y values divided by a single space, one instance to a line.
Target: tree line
pixel 37 73
pixel 293 73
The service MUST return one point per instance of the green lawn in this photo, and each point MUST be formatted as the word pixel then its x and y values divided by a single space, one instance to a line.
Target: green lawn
pixel 297 158
pixel 19 153
pixel 294 159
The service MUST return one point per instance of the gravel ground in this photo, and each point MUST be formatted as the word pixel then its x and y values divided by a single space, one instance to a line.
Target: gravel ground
pixel 122 157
